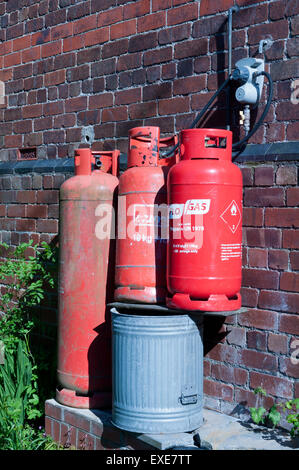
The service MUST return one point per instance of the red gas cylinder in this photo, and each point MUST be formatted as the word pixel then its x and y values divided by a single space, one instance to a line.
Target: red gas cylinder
pixel 204 254
pixel 143 219
pixel 86 273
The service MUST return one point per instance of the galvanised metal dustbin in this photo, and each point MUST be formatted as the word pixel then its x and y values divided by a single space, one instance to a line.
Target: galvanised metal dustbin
pixel 157 367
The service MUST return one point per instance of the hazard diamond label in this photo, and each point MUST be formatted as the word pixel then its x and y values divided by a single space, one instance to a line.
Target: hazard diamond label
pixel 232 216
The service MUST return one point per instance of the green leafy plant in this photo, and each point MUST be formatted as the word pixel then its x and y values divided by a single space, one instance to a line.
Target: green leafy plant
pixel 259 414
pixel 26 278
pixel 24 375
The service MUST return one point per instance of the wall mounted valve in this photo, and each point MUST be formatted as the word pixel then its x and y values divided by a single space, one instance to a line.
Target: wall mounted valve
pixel 247 72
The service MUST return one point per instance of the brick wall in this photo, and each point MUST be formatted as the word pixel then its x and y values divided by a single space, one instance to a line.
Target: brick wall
pixel 70 67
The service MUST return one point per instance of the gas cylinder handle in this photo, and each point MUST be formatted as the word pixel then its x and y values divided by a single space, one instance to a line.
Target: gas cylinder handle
pixel 143 146
pixel 151 133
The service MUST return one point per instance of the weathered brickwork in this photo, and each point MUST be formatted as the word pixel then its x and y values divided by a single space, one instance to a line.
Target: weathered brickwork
pixel 116 64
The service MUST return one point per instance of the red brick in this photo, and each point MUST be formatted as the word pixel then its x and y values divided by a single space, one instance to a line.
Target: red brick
pixel 157 56
pixel 229 374
pixel 174 106
pixel 236 336
pixel 161 4
pixel 85 24
pixel 12 59
pixel 278 259
pixel 36 211
pixel 218 389
pixel 21 43
pixel 47 226
pixel 280 301
pixel 61 31
pixel 287 367
pixel 98 36
pixel 42 123
pixel 248 398
pixel 182 14
pixel 264 176
pixel 142 110
pixel 75 104
pixel 127 96
pixel 102 100
pixel 26 196
pixel 25 225
pixel 119 113
pixel 207 7
pixel 282 217
pixel 278 30
pixel 260 278
pixel 68 436
pixel 278 343
pixel 261 319
pixel 249 297
pixel 22 127
pixel 257 340
pixel 258 360
pixel 50 49
pixel 53 411
pixel 197 47
pixel 294 259
pixel 295 25
pixel 290 323
pixel 32 54
pixel 289 281
pixel 129 61
pixel 250 16
pixel 137 8
pixel 264 197
pixel 276 386
pixel 150 22
pixel 17 210
pixel 292 131
pixel 13 141
pixel 224 353
pixel 157 91
pixel 252 216
pixel 54 78
pixel 259 237
pixel 77 420
pixel 247 176
pixel 286 111
pixel 293 196
pixel 290 239
pixel 257 258
pixel 32 111
pixel 47 197
pixel 73 43
pixel 187 85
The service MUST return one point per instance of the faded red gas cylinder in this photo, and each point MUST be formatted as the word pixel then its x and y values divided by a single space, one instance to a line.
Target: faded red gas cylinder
pixel 140 272
pixel 204 255
pixel 86 273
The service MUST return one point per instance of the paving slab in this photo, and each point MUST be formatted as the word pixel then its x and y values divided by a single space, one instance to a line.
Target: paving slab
pixel 225 432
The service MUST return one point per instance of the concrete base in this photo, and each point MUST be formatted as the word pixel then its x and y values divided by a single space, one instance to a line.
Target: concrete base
pixel 92 430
